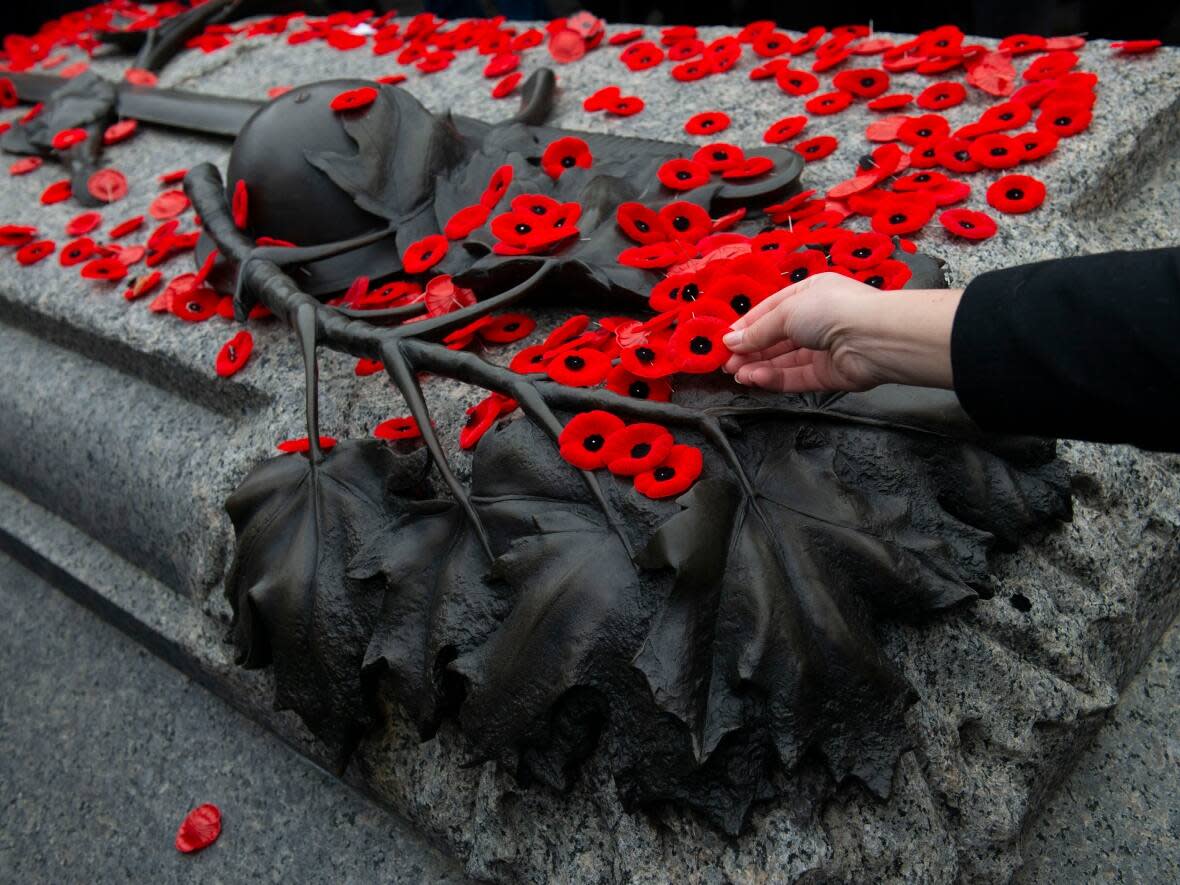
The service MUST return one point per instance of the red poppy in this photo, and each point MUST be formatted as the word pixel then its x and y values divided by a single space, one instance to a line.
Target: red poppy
pixel 774 244
pixel 16 234
pixel 641 224
pixel 625 37
pixel 627 106
pixel 918 130
pixel 466 220
pixel 530 360
pixel 794 82
pixel 104 269
pixel 143 285
pixel 77 251
pixel 751 167
pixel 902 213
pixel 655 256
pixel 234 354
pixel 861 251
pixel 830 54
pixel 565 153
pixel 365 367
pixel 686 221
pixel 1051 66
pixel 196 305
pixel 685 49
pixel 968 224
pixel 424 254
pixel 398 428
pixel 888 275
pixel 641 56
pixel 805 263
pixel 719 156
pixel 890 102
pixel 168 205
pixel 67 138
pixel 648 357
pixel 83 224
pixel 1135 47
pixel 1037 144
pixel 442 296
pixel 682 175
pixel 679 470
pixel 1016 194
pixel 1019 44
pixel 107 185
pixel 862 82
pixel 817 148
pixel 302 444
pixel 126 227
pixel 507 328
pixel 1063 118
pixel 625 383
pixel 582 442
pixel 602 99
pixel 174 177
pixel 707 123
pixel 785 129
pixel 695 346
pixel 199 829
pixel 482 416
pixel 354 99
pixel 568 331
pixel 919 181
pixel 140 77
pixel 636 448
pixel 996 151
pixel 31 253
pixel 56 192
pixel 8 96
pixel 828 103
pixel 579 368
pixel 942 95
pixel 671 292
pixel 955 154
pixel 739 293
pixel 120 131
pixel 504 63
pixel 506 86
pixel 25 165
pixel 772 43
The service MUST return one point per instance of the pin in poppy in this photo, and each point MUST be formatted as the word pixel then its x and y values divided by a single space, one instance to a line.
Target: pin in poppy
pixel 398 428
pixel 1016 194
pixel 796 83
pixel 682 175
pixel 637 448
pixel 861 251
pixel 582 442
pixel 686 221
pixel 805 263
pixel 626 383
pixel 707 123
pixel 942 95
pixel 679 470
pixel 507 328
pixel 579 368
pixel 862 82
pixel 817 148
pixel 425 253
pixel 695 346
pixel 648 358
pixel 77 251
pixel 564 154
pixel 353 99
pixel 903 213
pixel 234 354
pixel 968 224
pixel 196 305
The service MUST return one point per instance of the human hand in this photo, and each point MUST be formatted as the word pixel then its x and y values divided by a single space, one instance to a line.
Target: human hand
pixel 830 332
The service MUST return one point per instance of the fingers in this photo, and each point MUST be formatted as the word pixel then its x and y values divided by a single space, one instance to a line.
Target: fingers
pixel 737 360
pixel 736 340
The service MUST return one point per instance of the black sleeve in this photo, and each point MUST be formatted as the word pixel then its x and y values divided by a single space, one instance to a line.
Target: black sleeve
pixel 1082 348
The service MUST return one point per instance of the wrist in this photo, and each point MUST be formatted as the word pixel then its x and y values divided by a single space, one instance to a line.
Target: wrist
pixel 906 335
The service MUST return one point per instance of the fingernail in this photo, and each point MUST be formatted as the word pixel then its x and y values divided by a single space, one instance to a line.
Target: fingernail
pixel 732 339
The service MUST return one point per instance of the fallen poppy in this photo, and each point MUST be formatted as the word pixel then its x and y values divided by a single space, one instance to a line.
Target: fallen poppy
pixel 77 251
pixel 1063 119
pixel 636 448
pixel 504 63
pixel 424 254
pixel 918 130
pixel 498 185
pixel 751 167
pixel 57 192
pixel 31 253
pixel 817 148
pixel 903 213
pixel 176 176
pixel 120 131
pixel 682 175
pixel 302 444
pixel 83 224
pixel 626 383
pixel 862 82
pixel 143 285
pixel 861 251
pixel 168 205
pixel 482 416
pixel 890 102
pixel 784 129
pixel 354 99
pixel 25 165
pixel 199 829
pixel 506 86
pixel 442 296
pixel 602 99
pixel 565 153
pixel 679 470
pixel 579 368
pixel 686 221
pixel 1019 44
pixel 234 354
pixel 627 106
pixel 942 95
pixel 796 83
pixel 1037 144
pixel 507 328
pixel 582 442
pixel 828 103
pixel 1050 66
pixel 104 269
pixel 67 138
pixel 365 367
pixel 707 123
pixel 719 156
pixel 805 263
pixel 955 154
pixel 641 56
pixel 888 275
pixel 641 224
pixel 968 224
pixel 398 428
pixel 196 305
pixel 996 151
pixel 648 359
pixel 1016 194
pixel 107 185
pixel 654 256
pixel 466 220
pixel 1135 47
pixel 126 227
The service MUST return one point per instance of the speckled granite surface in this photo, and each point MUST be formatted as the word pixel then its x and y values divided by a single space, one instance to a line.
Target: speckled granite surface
pixel 1010 687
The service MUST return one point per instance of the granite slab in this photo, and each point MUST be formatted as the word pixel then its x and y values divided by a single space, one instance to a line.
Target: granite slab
pixel 120 445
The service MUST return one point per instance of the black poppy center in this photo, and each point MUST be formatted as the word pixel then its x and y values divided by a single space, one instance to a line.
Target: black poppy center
pixel 867 82
pixel 691 292
pixel 568 162
pixel 812 148
pixel 681 223
pixel 511 327
pixel 862 252
pixel 799 273
pixel 639 389
pixel 999 151
pixel 1062 121
pixel 641 450
pixel 642 226
pixel 663 474
pixel 1014 193
pixel 194 307
pixel 740 303
pixel 962 156
pixel 876 281
pixel 539 210
pixel 929 152
pixel 523 228
pixel 925 133
pixel 1006 117
pixel 700 345
pixel 966 225
pixel 593 442
pixel 923 178
pixel 720 155
pixel 575 363
pixel 897 218
pixel 706 124
pixel 645 355
pixel 684 175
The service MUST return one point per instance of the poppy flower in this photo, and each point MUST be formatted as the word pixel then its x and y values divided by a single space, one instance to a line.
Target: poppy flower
pixel 674 290
pixel 695 346
pixel 625 383
pixel 442 296
pixel 682 175
pixel 566 45
pixel 25 165
pixel 796 83
pixel 507 85
pixel 104 269
pixel 67 138
pixel 582 367
pixel 498 185
pixel 504 63
pixel 16 234
pixel 691 71
pixel 968 224
pixel 398 428
pixel 861 251
pixel 466 220
pixel 719 156
pixel 942 95
pixel 1020 44
pixel 888 275
pixel 919 181
pixel 686 221
pixel 996 151
pixel 805 263
pixel 8 96
pixel 582 442
pixel 602 99
pixel 168 205
pixel 655 256
pixel 627 106
pixel 424 254
pixel 636 448
pixel 828 103
pixel 302 444
pixel 902 213
pixel 830 54
pixel 234 354
pixel 1016 194
pixel 56 192
pixel 862 82
pixel 365 367
pixel 1037 144
pixel 1063 119
pixel 1135 47
pixel 918 130
pixel 772 43
pixel 143 285
pixel 199 829
pixel 83 223
pixel 625 37
pixel 530 360
pixel 354 99
pixel 507 328
pixel 1050 66
pixel 817 148
pixel 641 56
pixel 707 123
pixel 774 244
pixel 890 102
pixel 120 131
pixel 196 305
pixel 482 416
pixel 108 185
pixel 751 167
pixel 955 154
pixel 949 192
pixel 565 153
pixel 641 224
pixel 648 358
pixel 31 253
pixel 679 470
pixel 739 292
pixel 77 251
pixel 784 129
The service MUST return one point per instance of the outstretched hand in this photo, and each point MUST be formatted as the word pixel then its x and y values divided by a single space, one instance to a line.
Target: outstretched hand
pixel 830 332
